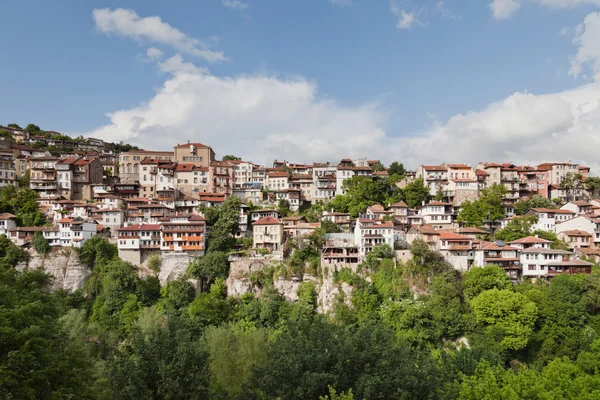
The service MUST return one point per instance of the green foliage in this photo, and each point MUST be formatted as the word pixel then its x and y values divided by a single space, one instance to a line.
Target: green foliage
pixel 229 157
pixel 378 166
pixel 536 201
pixel 517 228
pixel 507 315
pixel 21 202
pixel 97 251
pixel 210 267
pixel 40 244
pixel 362 192
pixel 283 206
pixel 333 395
pixel 6 136
pixel 592 182
pixel 571 183
pixel 396 168
pixel 220 233
pixel 154 263
pixel 33 129
pixel 486 209
pixel 478 280
pixel 415 193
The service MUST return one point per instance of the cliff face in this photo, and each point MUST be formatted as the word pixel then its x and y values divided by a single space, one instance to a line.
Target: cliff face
pixel 241 273
pixel 68 274
pixel 63 265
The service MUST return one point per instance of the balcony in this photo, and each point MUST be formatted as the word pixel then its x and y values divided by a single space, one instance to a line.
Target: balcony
pixel 44 187
pixel 192 248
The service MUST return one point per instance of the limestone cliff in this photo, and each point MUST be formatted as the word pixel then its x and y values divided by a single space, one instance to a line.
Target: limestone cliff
pixel 63 265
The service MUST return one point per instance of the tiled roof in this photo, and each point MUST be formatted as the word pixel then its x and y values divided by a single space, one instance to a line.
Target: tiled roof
pixel 140 227
pixel 530 240
pixel 191 144
pixel 458 166
pixel 434 168
pixel 267 221
pixel 494 246
pixel 445 235
pixel 552 210
pixel 278 174
pixel 399 205
pixel 5 216
pixel 576 232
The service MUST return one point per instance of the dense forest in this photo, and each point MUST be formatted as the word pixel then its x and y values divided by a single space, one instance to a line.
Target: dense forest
pixel 461 337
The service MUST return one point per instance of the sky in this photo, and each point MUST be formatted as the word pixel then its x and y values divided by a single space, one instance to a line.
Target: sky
pixel 416 81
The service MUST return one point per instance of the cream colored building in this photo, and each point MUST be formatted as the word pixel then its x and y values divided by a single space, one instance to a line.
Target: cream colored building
pixel 268 233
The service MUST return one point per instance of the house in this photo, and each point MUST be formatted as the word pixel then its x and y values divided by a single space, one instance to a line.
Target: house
pixel 370 233
pixel 8 173
pixel 437 213
pixel 505 257
pixel 221 177
pixel 194 153
pixel 324 181
pixel 549 217
pixel 268 233
pixel 582 223
pixel 183 233
pixel 530 242
pixel 590 253
pixel 435 177
pixel 73 232
pixel 265 212
pixel 400 212
pixel 340 219
pixel 277 180
pixel 42 178
pixel 137 242
pixel 471 231
pixel 22 235
pixel 457 249
pixel 7 222
pixel 191 179
pixel 427 233
pixel 292 196
pixel 576 238
pixel 130 161
pixel 538 262
pixel 304 184
pixel 339 248
pixel 579 207
pixel 301 229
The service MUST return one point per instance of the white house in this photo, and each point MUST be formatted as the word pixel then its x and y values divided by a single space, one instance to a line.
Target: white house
pixel 549 217
pixel 578 207
pixel 437 213
pixel 7 222
pixel 457 249
pixel 369 233
pixel 268 233
pixel 545 263
pixel 75 231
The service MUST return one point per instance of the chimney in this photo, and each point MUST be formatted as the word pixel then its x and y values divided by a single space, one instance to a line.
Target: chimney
pixel 423 203
pixel 536 236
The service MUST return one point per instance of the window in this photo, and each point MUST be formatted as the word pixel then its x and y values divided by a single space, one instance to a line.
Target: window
pixel 531 267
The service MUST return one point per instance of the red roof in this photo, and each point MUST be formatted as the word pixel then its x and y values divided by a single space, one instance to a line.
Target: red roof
pixel 576 233
pixel 552 210
pixel 481 173
pixel 140 227
pixel 65 221
pixel 278 174
pixel 434 168
pixel 458 166
pixel 267 221
pixel 445 235
pixel 530 240
pixel 494 246
pixel 399 205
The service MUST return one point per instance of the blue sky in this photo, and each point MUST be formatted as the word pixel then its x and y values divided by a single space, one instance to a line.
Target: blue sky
pixel 382 86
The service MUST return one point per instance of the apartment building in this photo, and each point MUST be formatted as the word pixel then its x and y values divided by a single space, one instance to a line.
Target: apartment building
pixel 340 248
pixel 42 177
pixel 303 183
pixel 194 153
pixel 435 177
pixel 137 242
pixel 190 180
pixel 130 163
pixel 183 233
pixel 8 174
pixel 324 182
pixel 277 180
pixel 221 177
pixel 557 171
pixel 439 214
pixel 370 232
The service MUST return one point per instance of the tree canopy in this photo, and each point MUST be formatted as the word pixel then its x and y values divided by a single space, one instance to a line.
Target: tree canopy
pixel 486 209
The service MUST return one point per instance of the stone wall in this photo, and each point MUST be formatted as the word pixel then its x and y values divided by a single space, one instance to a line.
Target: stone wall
pixel 63 265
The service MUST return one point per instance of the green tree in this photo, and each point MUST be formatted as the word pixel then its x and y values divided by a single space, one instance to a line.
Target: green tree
pixel 507 316
pixel 229 157
pixel 478 280
pixel 235 350
pixel 210 267
pixel 40 243
pixel 220 234
pixel 536 201
pixel 396 168
pixel 572 183
pixel 516 228
pixel 284 208
pixel 592 182
pixel 14 126
pixel 33 129
pixel 486 209
pixel 7 136
pixel 416 193
pixel 378 166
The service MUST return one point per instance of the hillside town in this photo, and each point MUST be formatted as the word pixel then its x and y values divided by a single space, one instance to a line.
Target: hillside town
pixel 150 202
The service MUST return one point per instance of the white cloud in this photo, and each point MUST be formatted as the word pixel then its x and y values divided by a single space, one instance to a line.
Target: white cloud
pixel 128 24
pixel 405 19
pixel 263 117
pixel 176 64
pixel 503 9
pixel 154 54
pixel 235 4
pixel 588 53
pixel 567 3
pixel 341 3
